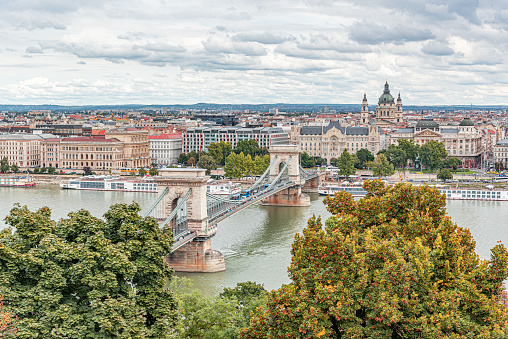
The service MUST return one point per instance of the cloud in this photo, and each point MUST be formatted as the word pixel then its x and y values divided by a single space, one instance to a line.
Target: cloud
pixel 34 50
pixel 374 34
pixel 224 44
pixel 437 48
pixel 39 24
pixel 262 37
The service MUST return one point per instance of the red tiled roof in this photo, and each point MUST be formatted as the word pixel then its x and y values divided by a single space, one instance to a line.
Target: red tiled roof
pixel 98 132
pixel 90 139
pixel 165 136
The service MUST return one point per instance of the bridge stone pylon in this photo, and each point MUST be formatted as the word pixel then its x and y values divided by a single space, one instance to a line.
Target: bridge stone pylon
pixel 291 196
pixel 197 255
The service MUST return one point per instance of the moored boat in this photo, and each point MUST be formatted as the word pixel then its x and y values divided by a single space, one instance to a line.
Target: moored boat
pixel 474 194
pixel 16 181
pixel 354 190
pixel 111 183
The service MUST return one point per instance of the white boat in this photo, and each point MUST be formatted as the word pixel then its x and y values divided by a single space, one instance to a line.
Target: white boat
pixel 223 188
pixel 16 181
pixel 354 190
pixel 111 183
pixel 474 194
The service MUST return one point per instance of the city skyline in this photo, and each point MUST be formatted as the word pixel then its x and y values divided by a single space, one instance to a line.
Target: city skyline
pixel 241 52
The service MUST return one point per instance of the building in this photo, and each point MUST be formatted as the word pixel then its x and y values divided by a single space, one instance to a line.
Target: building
pixel 219 119
pixel 501 152
pixel 330 141
pixel 64 130
pixel 165 148
pixel 97 153
pixel 24 150
pixel 136 146
pixel 198 139
pixel 463 141
pixel 388 113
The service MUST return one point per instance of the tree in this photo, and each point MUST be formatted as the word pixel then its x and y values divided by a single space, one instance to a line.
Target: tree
pixel 36 170
pixel 410 149
pixel 259 165
pixel 191 161
pixel 51 170
pixel 248 147
pixel 4 165
pixel 217 317
pixel 86 171
pixel 84 277
pixel 499 166
pixel 220 151
pixel 396 156
pixel 7 321
pixel 444 174
pixel 142 172
pixel 183 158
pixel 14 168
pixel 391 265
pixel 381 167
pixel 346 164
pixel 364 156
pixel 238 165
pixel 207 162
pixel 433 153
pixel 153 172
pixel 320 161
pixel 452 162
pixel 43 170
pixel 306 160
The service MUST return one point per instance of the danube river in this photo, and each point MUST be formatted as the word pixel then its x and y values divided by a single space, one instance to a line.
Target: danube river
pixel 256 242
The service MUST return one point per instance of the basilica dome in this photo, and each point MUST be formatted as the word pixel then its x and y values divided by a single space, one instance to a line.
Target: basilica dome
pixel 386 97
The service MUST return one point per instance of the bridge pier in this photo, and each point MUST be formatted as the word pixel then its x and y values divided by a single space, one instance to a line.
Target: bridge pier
pixel 196 255
pixel 291 196
pixel 311 185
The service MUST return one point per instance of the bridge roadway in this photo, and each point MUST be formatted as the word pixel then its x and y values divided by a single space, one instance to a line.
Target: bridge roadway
pixel 219 208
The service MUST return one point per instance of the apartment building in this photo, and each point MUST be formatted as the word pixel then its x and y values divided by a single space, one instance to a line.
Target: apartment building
pixel 199 138
pixel 24 150
pixel 165 148
pixel 501 152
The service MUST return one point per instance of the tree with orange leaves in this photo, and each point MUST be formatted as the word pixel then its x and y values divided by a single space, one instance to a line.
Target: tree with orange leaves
pixel 7 320
pixel 390 265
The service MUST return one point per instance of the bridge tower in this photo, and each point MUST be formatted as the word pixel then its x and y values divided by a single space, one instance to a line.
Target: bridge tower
pixel 197 255
pixel 291 196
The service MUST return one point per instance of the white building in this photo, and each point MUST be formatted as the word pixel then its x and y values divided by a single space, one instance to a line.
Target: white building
pixel 24 150
pixel 165 148
pixel 501 152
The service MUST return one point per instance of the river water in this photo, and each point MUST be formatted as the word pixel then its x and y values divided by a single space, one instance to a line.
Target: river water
pixel 256 242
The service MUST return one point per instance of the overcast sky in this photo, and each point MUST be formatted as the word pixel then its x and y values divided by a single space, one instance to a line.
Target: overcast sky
pixel 252 51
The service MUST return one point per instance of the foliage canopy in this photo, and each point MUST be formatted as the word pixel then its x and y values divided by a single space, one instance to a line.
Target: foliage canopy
pixel 391 265
pixel 84 277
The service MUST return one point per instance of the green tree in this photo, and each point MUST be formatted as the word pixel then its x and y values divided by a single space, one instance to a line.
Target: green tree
pixel 142 172
pixel 258 165
pixel 306 160
pixel 391 265
pixel 51 170
pixel 364 156
pixel 153 172
pixel 396 156
pixel 4 165
pixel 410 149
pixel 498 166
pixel 381 167
pixel 207 162
pixel 248 147
pixel 14 168
pixel 183 158
pixel 84 277
pixel 220 151
pixel 452 162
pixel 432 154
pixel 444 174
pixel 320 161
pixel 346 164
pixel 234 165
pixel 43 170
pixel 36 170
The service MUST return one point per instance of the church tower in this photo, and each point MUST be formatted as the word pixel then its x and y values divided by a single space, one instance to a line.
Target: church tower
pixel 399 110
pixel 365 110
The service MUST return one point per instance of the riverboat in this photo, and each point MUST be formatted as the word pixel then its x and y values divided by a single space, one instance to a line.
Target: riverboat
pixel 16 181
pixel 474 194
pixel 354 190
pixel 111 183
pixel 223 188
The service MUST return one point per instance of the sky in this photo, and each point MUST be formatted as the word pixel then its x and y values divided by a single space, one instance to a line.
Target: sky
pixel 433 52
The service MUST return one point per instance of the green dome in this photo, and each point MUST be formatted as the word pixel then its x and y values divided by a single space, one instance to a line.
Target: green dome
pixel 386 97
pixel 466 122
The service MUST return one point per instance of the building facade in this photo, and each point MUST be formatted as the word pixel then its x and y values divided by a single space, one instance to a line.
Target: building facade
pixel 501 152
pixel 97 153
pixel 463 141
pixel 136 146
pixel 165 148
pixel 330 141
pixel 198 139
pixel 24 150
